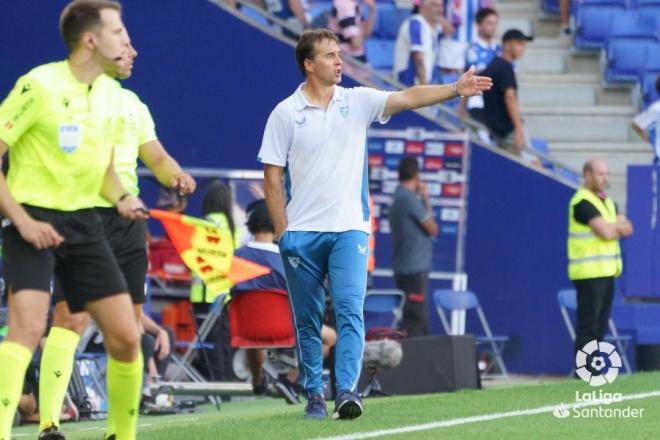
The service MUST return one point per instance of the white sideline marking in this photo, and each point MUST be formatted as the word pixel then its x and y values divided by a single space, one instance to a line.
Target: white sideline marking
pixel 483 418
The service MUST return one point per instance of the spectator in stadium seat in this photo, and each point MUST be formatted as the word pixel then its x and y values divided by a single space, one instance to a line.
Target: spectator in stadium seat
pixel 647 124
pixel 413 228
pixel 294 12
pixel 262 250
pixel 502 111
pixel 461 14
pixel 346 22
pixel 480 54
pixel 594 255
pixel 415 52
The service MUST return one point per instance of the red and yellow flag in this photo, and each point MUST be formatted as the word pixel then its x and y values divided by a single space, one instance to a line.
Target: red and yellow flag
pixel 207 250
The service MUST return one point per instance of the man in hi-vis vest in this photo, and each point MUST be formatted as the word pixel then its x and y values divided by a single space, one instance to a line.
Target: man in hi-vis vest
pixel 594 255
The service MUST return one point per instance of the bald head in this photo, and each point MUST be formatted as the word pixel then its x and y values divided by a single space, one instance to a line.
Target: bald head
pixel 596 175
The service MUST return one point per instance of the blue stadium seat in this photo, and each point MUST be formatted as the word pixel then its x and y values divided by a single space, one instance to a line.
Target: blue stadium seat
pixel 626 58
pixel 320 13
pixel 650 75
pixel 448 301
pixel 593 23
pixel 647 85
pixel 388 21
pixel 380 53
pixel 254 14
pixel 629 24
pixel 540 145
pixel 649 7
pixel 383 308
pixel 550 6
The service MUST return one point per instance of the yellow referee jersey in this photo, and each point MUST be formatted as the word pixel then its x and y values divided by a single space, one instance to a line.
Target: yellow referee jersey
pixel 60 134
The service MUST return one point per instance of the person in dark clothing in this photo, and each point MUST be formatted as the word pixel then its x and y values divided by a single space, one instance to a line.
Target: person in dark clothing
pixel 502 111
pixel 216 207
pixel 413 228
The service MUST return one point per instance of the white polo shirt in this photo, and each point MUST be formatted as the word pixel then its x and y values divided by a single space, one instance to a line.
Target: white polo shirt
pixel 325 158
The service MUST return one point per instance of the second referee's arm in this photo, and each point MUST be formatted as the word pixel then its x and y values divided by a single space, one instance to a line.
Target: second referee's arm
pixel 165 168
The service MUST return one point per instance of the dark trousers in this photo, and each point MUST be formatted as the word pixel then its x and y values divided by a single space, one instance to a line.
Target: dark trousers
pixel 415 311
pixel 594 305
pixel 220 358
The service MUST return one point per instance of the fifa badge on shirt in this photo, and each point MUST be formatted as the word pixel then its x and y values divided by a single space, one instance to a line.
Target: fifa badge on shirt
pixel 69 136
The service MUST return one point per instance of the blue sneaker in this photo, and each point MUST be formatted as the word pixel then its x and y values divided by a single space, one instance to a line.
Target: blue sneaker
pixel 348 405
pixel 316 408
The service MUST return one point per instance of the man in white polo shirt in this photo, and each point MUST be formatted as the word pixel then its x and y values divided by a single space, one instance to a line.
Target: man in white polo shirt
pixel 315 141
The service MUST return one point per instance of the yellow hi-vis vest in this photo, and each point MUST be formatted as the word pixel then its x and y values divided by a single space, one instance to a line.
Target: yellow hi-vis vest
pixel 589 256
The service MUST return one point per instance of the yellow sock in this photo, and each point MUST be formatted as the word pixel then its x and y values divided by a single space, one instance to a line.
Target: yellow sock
pixel 14 360
pixel 56 367
pixel 124 390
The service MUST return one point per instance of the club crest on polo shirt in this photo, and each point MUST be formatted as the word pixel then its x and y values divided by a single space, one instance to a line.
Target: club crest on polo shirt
pixel 343 111
pixel 294 262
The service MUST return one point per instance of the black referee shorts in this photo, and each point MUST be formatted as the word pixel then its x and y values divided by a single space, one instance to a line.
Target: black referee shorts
pixel 128 241
pixel 84 264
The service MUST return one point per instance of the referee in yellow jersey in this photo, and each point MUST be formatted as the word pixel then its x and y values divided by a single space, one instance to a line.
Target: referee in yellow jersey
pixel 59 125
pixel 128 241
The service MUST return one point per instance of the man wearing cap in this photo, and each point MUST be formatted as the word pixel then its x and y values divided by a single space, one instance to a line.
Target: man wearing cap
pixel 501 102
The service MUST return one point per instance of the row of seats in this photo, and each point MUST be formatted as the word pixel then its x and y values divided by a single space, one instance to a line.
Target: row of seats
pixel 597 21
pixel 629 33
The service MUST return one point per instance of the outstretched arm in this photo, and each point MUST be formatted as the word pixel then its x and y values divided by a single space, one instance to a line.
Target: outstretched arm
pixel 422 96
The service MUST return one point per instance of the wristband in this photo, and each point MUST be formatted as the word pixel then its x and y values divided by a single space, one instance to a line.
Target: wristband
pixel 123 196
pixel 456 94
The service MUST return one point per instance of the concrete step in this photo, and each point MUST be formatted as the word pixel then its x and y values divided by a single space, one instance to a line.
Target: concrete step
pixel 543 60
pixel 622 95
pixel 583 62
pixel 617 163
pixel 524 24
pixel 508 9
pixel 581 124
pixel 617 154
pixel 563 78
pixel 551 94
pixel 594 148
pixel 551 43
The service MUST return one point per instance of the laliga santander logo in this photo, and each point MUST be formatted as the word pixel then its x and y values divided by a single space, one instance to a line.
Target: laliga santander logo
pixel 597 363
